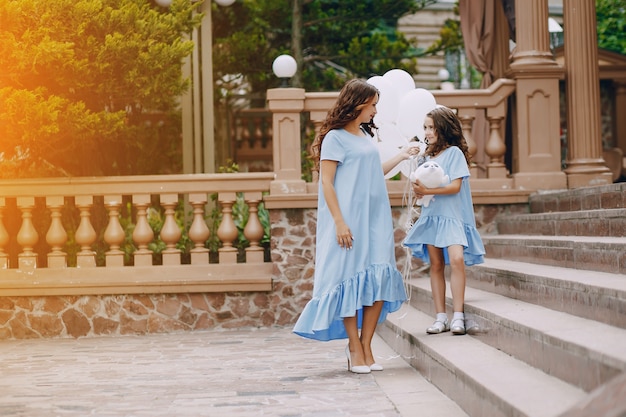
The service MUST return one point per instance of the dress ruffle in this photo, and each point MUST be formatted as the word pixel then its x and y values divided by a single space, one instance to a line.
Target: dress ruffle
pixel 322 318
pixel 442 232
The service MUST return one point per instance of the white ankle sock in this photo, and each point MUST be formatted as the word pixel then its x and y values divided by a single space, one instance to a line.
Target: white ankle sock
pixel 443 317
pixel 458 315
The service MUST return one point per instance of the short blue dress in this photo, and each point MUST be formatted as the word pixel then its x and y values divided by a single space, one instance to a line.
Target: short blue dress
pixel 347 280
pixel 448 219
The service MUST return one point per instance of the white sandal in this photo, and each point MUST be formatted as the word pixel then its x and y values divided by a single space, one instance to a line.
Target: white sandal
pixel 438 327
pixel 458 326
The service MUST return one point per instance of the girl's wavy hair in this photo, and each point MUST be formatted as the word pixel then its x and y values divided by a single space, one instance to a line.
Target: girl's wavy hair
pixel 353 97
pixel 449 132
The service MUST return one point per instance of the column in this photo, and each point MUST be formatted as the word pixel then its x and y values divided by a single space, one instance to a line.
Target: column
pixel 536 142
pixel 585 165
pixel 286 104
pixel 620 122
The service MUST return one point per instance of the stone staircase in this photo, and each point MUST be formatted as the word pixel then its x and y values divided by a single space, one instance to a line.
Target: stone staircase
pixel 546 314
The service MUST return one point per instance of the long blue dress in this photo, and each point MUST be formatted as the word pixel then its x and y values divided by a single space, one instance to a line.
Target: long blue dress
pixel 347 280
pixel 448 219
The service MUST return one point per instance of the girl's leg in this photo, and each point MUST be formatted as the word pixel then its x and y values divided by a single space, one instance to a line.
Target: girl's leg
pixel 457 277
pixel 437 279
pixel 438 288
pixel 354 343
pixel 370 320
pixel 457 285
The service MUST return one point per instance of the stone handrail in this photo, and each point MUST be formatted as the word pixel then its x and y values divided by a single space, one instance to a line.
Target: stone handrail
pixel 44 202
pixel 493 102
pixel 286 105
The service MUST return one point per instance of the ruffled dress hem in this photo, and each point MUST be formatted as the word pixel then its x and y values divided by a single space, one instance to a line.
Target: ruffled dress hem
pixel 322 317
pixel 442 232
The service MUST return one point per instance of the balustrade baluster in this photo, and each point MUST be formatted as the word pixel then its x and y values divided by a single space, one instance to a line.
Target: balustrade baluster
pixel 143 233
pixel 227 232
pixel 199 231
pixel 27 236
pixel 245 131
pixel 495 148
pixel 4 237
pixel 466 124
pixel 467 121
pixel 258 132
pixel 254 229
pixel 85 234
pixel 114 233
pixel 170 233
pixel 56 236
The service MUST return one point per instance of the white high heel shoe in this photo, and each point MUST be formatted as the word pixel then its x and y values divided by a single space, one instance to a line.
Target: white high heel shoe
pixel 359 369
pixel 376 367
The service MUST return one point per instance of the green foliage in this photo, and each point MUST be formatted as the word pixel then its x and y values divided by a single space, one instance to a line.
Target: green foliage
pixel 339 39
pixel 450 35
pixel 611 25
pixel 91 87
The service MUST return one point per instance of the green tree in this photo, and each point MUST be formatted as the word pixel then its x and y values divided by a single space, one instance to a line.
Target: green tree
pixel 332 40
pixel 90 87
pixel 611 25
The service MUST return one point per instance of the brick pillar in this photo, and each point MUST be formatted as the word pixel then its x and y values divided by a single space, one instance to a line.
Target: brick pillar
pixel 536 140
pixel 585 165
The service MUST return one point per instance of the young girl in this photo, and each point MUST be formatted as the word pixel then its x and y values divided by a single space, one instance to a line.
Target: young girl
pixel 445 233
pixel 356 278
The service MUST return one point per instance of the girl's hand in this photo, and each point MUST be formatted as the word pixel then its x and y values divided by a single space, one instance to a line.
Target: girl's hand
pixel 418 189
pixel 344 236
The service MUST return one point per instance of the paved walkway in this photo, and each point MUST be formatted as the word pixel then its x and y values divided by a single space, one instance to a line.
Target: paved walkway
pixel 269 372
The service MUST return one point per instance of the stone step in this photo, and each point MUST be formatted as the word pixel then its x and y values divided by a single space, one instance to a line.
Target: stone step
pixel 481 379
pixel 606 222
pixel 585 198
pixel 582 352
pixel 592 295
pixel 594 253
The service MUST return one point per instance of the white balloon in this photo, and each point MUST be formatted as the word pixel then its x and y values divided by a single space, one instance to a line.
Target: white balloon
pixel 387 107
pixel 390 134
pixel 401 80
pixel 412 110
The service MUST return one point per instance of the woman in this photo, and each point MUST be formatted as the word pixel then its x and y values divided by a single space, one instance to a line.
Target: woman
pixel 357 282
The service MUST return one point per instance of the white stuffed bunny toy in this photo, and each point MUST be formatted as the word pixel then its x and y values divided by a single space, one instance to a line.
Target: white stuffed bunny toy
pixel 431 175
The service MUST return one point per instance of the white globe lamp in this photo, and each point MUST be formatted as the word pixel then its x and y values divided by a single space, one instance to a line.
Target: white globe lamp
pixel 284 67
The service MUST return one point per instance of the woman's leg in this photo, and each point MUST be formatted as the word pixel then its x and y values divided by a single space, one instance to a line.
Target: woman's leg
pixel 370 320
pixel 356 348
pixel 457 277
pixel 437 279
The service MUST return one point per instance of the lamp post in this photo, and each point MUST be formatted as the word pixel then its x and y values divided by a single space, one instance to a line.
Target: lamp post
pixel 284 67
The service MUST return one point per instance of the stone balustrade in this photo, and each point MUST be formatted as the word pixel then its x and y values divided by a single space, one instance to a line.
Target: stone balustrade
pixel 35 260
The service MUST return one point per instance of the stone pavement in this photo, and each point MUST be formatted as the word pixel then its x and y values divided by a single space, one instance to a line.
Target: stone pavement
pixel 237 373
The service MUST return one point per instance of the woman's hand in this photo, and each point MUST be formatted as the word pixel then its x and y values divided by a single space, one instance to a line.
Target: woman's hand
pixel 409 151
pixel 344 236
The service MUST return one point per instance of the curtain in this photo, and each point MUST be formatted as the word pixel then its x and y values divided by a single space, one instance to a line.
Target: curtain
pixel 478 28
pixel 485 25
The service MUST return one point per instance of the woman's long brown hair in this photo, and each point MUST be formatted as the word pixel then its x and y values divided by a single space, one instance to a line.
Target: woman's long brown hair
pixel 449 132
pixel 353 97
